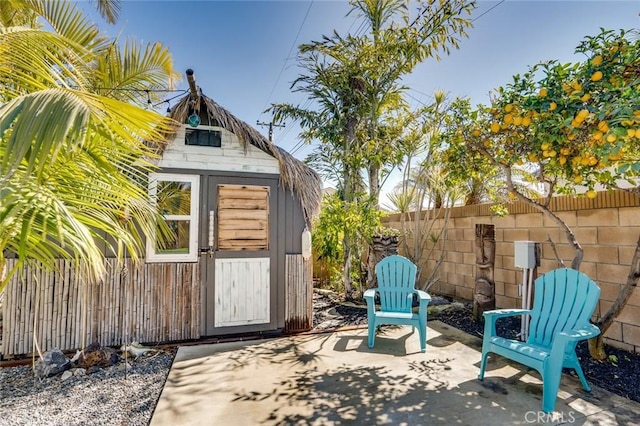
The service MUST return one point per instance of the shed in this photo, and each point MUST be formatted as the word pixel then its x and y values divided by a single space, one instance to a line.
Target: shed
pixel 238 205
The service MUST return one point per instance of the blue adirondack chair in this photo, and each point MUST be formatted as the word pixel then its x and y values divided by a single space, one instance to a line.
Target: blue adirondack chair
pixel 396 287
pixel 564 302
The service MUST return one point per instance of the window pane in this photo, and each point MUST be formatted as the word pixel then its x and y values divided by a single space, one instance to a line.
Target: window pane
pixel 178 241
pixel 174 197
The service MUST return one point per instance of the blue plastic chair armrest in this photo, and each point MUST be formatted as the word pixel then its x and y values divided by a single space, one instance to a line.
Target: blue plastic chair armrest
pixel 578 334
pixel 563 338
pixel 500 313
pixel 370 294
pixel 490 318
pixel 423 295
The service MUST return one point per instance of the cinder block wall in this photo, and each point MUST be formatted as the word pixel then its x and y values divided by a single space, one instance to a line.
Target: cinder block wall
pixel 607 227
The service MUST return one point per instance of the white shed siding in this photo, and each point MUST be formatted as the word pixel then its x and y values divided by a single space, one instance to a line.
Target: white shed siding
pixel 230 157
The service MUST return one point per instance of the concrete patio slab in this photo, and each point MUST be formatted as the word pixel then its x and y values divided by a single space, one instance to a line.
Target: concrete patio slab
pixel 334 378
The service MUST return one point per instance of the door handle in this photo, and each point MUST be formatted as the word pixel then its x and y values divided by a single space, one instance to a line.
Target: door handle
pixel 212 218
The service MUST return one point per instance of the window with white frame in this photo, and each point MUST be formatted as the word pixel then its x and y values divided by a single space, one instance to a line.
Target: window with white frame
pixel 176 196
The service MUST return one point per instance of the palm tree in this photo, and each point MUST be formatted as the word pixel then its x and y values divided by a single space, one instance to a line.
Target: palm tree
pixel 355 81
pixel 75 149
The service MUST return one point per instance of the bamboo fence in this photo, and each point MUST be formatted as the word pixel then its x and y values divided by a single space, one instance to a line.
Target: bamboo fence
pixel 299 293
pixel 153 302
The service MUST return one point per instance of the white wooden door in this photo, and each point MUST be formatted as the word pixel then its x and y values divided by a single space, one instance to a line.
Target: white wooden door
pixel 242 289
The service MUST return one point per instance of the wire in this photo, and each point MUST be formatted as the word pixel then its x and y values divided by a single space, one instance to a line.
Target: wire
pixel 170 99
pixel 487 11
pixel 124 89
pixel 284 63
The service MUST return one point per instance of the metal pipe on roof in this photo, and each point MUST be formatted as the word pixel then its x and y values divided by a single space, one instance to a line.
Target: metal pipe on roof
pixel 192 84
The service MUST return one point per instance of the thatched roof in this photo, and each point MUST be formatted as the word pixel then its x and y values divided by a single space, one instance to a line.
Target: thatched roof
pixel 295 175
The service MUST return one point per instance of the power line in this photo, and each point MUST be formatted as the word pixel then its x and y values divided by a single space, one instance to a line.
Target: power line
pixel 487 11
pixel 284 63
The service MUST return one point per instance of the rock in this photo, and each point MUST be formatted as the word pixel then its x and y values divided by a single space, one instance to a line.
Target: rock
pixel 96 355
pixel 66 375
pixel 52 362
pixel 79 372
pixel 439 300
pixel 125 366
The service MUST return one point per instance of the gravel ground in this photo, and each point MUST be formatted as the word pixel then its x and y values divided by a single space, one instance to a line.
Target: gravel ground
pixel 107 397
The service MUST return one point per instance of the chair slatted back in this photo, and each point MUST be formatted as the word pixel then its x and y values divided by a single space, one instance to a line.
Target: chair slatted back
pixel 396 283
pixel 564 299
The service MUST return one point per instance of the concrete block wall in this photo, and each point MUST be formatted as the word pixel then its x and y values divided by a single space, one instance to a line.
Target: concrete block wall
pixel 608 228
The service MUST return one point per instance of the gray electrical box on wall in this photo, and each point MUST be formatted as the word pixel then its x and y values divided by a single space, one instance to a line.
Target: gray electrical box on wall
pixel 525 254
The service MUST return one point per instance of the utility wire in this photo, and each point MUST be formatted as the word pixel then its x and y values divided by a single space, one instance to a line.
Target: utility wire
pixel 487 11
pixel 359 30
pixel 284 63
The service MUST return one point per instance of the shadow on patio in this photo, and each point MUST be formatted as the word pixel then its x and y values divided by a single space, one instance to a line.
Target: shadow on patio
pixel 336 379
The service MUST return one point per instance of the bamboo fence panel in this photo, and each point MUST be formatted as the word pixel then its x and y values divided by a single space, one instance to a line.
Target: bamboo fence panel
pixel 299 293
pixel 149 303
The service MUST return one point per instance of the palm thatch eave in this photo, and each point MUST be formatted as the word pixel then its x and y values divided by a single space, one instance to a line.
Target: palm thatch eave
pixel 295 175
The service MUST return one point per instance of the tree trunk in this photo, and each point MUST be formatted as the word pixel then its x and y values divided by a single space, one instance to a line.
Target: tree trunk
pixel 596 345
pixel 350 135
pixel 484 295
pixel 374 184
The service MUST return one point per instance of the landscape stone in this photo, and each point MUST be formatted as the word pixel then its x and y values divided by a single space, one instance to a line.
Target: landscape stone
pixel 52 362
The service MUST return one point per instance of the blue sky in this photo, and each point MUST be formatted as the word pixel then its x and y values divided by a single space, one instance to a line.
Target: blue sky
pixel 243 52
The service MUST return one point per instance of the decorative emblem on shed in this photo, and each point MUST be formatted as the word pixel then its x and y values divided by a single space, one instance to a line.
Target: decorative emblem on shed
pixel 194 120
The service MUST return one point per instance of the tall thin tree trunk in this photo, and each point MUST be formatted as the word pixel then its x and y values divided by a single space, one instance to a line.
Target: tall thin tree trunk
pixel 350 134
pixel 596 345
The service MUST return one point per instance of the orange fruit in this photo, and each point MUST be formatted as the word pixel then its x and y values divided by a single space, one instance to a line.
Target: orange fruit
pixel 611 138
pixel 597 60
pixel 597 76
pixel 495 127
pixel 591 193
pixel 582 114
pixel 543 92
pixel 577 179
pixel 508 119
pixel 476 133
pixel 552 106
pixel 585 97
pixel 526 121
pixel 508 108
